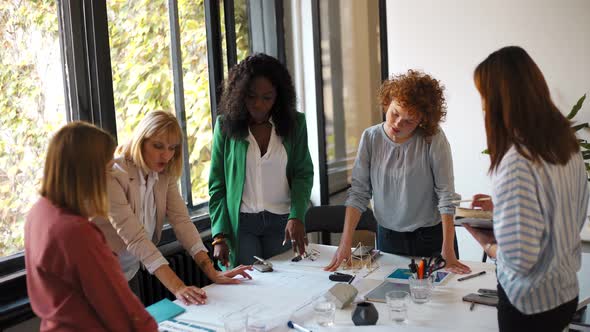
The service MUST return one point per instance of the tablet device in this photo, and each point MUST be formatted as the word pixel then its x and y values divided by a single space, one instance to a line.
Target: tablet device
pixel 481 299
pixel 400 275
pixel 475 222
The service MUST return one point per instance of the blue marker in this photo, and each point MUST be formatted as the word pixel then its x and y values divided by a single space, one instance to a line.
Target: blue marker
pixel 297 327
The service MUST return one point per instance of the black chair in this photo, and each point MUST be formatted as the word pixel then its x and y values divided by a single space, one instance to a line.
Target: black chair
pixel 328 219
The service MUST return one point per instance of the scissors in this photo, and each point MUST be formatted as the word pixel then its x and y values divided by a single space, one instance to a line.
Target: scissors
pixel 436 263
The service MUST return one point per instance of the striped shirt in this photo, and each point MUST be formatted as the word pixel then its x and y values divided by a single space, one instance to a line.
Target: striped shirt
pixel 411 183
pixel 539 211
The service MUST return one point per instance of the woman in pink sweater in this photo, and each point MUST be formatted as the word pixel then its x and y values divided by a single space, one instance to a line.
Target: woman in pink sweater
pixel 74 281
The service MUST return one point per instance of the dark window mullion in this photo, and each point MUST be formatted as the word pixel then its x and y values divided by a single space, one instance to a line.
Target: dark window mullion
pixel 176 56
pixel 214 53
pixel 279 14
pixel 72 48
pixel 85 47
pixel 383 40
pixel 319 93
pixel 230 32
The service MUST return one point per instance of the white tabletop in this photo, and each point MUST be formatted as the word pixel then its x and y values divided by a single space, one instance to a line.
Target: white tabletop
pixel 288 292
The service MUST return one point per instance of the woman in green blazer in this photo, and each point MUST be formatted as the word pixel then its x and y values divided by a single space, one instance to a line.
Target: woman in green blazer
pixel 261 171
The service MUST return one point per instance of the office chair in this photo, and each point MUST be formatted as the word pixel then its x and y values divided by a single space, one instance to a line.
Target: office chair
pixel 328 219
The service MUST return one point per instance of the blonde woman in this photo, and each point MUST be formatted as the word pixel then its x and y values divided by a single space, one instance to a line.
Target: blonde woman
pixel 74 281
pixel 143 191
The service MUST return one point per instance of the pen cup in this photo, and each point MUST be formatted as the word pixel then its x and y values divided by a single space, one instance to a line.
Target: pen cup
pixel 421 289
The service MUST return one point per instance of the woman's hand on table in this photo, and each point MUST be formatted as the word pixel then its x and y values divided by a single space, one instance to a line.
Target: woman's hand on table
pixel 342 255
pixel 191 295
pixel 453 264
pixel 227 277
pixel 295 233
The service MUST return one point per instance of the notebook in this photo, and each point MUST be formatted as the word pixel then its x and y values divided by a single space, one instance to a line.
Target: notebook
pixel 164 310
pixel 378 293
pixel 475 222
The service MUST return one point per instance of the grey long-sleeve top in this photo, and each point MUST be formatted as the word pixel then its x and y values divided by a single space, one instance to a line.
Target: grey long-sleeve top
pixel 411 183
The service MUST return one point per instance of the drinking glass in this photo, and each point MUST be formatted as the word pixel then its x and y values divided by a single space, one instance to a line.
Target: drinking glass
pixel 324 312
pixel 397 303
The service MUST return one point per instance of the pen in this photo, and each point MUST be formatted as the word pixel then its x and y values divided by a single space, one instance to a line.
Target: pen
pixel 297 327
pixel 471 306
pixel 472 276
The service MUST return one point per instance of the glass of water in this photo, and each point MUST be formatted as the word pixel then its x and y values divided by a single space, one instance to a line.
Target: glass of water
pixel 421 289
pixel 397 304
pixel 324 312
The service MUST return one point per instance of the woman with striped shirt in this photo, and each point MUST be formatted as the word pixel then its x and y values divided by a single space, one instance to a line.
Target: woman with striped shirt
pixel 539 195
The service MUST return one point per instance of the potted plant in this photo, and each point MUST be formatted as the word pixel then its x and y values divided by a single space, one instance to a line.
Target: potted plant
pixel 584 145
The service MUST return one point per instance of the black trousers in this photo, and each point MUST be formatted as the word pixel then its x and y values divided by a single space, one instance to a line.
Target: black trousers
pixel 424 241
pixel 511 319
pixel 135 285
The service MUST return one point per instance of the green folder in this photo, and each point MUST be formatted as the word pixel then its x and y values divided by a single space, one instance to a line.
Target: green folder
pixel 164 310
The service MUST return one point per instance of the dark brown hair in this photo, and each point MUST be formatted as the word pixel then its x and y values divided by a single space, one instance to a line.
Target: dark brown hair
pixel 232 106
pixel 519 110
pixel 420 93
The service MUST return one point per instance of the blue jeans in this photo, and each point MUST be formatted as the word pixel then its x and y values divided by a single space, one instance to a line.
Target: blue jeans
pixel 261 234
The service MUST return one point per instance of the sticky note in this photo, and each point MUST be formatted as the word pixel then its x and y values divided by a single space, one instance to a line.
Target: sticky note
pixel 164 310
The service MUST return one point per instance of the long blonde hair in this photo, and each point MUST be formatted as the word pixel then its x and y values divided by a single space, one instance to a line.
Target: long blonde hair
pixel 154 124
pixel 75 174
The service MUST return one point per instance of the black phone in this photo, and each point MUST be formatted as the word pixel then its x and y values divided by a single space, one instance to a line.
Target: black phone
pixel 486 291
pixel 340 277
pixel 481 299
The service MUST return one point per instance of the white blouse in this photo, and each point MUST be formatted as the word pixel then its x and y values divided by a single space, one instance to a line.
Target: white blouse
pixel 147 216
pixel 266 187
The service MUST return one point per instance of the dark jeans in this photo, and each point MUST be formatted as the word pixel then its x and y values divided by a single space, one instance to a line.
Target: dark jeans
pixel 511 319
pixel 261 234
pixel 424 241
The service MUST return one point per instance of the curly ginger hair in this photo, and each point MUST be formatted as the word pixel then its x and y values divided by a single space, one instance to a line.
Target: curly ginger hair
pixel 418 92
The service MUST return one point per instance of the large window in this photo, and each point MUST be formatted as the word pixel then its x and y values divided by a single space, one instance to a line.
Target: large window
pixel 351 77
pixel 143 80
pixel 31 108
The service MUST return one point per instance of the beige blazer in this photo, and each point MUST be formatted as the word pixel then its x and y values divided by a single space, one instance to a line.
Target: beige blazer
pixel 124 231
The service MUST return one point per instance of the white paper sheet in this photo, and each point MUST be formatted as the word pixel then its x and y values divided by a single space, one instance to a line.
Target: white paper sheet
pixel 279 293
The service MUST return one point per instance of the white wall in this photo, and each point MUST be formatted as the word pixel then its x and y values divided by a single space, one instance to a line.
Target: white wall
pixel 449 38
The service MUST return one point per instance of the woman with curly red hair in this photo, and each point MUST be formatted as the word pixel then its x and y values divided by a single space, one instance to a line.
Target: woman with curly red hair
pixel 404 164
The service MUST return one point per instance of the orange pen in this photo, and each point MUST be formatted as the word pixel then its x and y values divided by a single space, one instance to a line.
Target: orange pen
pixel 421 269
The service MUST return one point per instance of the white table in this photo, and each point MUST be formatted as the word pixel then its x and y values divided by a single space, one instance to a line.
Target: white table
pixel 287 293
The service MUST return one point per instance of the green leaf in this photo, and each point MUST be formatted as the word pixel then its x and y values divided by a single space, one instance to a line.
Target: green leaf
pixel 576 107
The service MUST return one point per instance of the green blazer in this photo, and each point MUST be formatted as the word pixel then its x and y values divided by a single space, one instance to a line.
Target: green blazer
pixel 227 175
